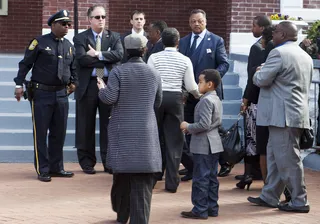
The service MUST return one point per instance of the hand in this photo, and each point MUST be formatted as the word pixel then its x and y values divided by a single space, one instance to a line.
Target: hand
pixel 100 83
pixel 184 126
pixel 18 93
pixel 307 42
pixel 258 68
pixel 91 52
pixel 71 88
pixel 243 108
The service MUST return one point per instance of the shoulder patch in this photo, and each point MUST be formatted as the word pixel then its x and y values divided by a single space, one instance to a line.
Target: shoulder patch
pixel 33 45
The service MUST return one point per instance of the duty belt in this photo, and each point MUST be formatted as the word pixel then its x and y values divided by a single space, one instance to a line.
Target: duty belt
pixel 36 85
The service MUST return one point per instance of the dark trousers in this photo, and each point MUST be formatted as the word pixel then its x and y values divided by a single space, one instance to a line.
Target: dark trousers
pixel 131 195
pixel 49 112
pixel 170 115
pixel 86 125
pixel 205 184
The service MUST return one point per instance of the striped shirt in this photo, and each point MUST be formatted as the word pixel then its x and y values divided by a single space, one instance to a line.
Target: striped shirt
pixel 175 70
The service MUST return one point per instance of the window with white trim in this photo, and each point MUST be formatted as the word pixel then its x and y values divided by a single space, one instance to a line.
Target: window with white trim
pixel 3 7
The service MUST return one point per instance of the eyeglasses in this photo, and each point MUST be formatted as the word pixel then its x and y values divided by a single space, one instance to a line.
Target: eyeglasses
pixel 65 24
pixel 98 17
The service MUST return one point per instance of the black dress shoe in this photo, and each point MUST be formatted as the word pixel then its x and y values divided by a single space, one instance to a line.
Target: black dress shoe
pixel 259 201
pixel 187 177
pixel 191 215
pixel 171 190
pixel 183 172
pixel 107 170
pixel 211 214
pixel 45 177
pixel 61 173
pixel 225 170
pixel 121 221
pixel 287 208
pixel 89 170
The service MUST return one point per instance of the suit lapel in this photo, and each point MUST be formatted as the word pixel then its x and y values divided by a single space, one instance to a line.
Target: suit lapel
pixel 186 47
pixel 105 40
pixel 91 39
pixel 204 46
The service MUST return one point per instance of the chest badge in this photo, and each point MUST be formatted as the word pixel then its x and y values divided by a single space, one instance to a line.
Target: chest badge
pixel 48 49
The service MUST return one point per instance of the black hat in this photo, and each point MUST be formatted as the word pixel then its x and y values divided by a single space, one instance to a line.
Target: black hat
pixel 62 15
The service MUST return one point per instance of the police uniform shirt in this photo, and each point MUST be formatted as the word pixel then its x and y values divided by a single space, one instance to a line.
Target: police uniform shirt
pixel 42 56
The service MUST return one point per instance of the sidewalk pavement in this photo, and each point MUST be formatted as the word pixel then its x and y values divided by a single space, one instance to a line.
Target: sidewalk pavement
pixel 85 199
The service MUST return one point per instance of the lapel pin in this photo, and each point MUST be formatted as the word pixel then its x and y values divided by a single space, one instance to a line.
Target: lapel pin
pixel 209 38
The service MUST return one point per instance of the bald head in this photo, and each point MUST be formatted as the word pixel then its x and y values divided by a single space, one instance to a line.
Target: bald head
pixel 290 30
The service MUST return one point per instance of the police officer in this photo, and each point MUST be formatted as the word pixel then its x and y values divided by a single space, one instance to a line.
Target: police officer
pixel 51 58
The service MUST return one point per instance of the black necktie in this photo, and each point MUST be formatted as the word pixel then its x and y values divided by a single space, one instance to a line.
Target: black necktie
pixel 194 44
pixel 60 59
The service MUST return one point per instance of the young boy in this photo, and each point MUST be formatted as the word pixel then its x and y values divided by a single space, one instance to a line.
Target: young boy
pixel 205 145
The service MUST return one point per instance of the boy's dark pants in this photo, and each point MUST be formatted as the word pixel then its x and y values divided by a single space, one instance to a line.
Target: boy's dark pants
pixel 205 184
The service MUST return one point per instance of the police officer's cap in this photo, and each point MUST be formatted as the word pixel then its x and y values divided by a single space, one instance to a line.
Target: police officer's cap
pixel 62 15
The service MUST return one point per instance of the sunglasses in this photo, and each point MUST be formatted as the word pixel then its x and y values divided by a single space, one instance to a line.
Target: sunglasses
pixel 65 24
pixel 98 17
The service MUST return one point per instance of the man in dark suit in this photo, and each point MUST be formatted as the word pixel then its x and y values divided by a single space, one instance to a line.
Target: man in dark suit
pixel 137 20
pixel 206 50
pixel 97 50
pixel 155 41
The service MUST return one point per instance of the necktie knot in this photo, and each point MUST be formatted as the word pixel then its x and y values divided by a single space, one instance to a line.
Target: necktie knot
pixel 196 37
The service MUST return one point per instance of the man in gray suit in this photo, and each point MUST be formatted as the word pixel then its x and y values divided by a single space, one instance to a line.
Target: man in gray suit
pixel 283 106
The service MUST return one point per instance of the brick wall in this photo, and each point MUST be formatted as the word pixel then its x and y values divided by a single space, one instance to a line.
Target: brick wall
pixel 243 12
pixel 22 24
pixel 311 4
pixel 52 6
pixel 175 13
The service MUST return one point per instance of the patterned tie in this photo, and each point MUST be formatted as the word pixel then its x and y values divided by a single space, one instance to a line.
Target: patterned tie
pixel 99 71
pixel 194 44
pixel 60 59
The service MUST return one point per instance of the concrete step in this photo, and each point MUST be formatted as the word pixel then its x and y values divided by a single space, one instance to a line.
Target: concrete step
pixel 229 120
pixel 10 105
pixel 231 107
pixel 12 137
pixel 10 60
pixel 7 74
pixel 232 92
pixel 230 78
pixel 25 154
pixel 24 121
